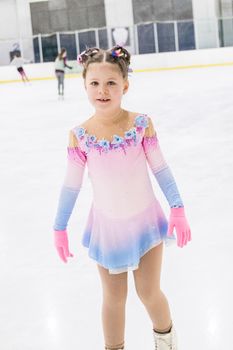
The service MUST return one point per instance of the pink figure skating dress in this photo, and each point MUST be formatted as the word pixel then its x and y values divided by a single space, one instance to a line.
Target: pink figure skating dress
pixel 126 219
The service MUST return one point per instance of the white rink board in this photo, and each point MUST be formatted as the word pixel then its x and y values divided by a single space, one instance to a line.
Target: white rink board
pixel 139 62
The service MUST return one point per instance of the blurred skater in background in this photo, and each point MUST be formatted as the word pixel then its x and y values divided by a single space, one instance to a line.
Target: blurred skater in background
pixel 18 61
pixel 60 65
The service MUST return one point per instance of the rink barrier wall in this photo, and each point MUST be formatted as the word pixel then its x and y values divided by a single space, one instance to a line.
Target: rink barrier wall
pixel 139 63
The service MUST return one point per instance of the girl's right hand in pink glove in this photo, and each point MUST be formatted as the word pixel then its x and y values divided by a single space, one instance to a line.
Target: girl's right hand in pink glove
pixel 62 245
pixel 179 222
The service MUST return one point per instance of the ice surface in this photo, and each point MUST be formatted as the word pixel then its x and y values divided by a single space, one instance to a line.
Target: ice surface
pixel 45 304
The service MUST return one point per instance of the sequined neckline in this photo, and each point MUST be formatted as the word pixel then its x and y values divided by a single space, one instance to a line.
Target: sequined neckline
pixel 140 122
pixel 103 145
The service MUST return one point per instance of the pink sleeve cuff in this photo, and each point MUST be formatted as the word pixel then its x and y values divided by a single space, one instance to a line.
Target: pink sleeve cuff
pixel 175 212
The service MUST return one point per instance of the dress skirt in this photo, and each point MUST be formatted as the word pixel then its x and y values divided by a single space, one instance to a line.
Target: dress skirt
pixel 118 244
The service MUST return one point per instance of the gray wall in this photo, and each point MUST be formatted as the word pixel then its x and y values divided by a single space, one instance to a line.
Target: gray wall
pixel 226 25
pixel 161 10
pixel 65 15
pixel 40 17
pixel 226 8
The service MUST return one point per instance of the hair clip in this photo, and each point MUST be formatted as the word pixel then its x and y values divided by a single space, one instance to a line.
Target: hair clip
pixel 80 58
pixel 83 56
pixel 118 51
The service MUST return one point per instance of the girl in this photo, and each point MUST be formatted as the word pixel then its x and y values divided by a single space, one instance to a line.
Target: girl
pixel 126 226
pixel 60 65
pixel 18 61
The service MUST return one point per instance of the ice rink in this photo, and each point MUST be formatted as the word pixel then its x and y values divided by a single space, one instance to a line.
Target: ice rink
pixel 47 305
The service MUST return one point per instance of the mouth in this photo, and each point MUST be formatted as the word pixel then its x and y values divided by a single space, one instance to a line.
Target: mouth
pixel 103 100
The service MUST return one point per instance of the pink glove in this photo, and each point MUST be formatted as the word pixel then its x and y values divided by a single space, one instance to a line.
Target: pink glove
pixel 62 245
pixel 178 221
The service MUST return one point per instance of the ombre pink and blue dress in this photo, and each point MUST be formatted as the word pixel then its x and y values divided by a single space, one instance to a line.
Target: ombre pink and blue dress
pixel 126 219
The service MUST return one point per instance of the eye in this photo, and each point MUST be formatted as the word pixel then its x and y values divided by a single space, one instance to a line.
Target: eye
pixel 111 82
pixel 94 83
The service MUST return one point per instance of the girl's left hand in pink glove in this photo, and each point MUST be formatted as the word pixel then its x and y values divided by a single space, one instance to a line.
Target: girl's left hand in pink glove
pixel 62 245
pixel 178 221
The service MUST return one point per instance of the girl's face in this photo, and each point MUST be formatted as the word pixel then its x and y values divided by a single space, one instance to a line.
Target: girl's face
pixel 105 86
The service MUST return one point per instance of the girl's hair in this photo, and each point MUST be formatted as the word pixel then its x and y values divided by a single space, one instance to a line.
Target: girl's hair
pixel 118 56
pixel 60 55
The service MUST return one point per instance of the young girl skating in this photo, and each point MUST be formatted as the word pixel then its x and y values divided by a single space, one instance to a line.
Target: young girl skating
pixel 126 227
pixel 18 61
pixel 60 65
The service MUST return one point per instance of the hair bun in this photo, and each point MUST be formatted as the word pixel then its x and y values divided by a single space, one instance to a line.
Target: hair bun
pixel 89 52
pixel 121 53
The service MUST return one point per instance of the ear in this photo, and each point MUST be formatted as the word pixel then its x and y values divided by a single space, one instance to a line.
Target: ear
pixel 126 86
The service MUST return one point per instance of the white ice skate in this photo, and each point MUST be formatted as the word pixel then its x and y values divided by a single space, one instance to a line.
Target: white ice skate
pixel 166 341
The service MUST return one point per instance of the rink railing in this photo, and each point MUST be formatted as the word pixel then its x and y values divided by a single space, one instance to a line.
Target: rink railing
pixel 144 38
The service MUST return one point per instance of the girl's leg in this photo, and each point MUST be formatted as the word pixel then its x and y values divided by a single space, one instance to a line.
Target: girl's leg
pixel 58 76
pixel 147 283
pixel 59 84
pixel 113 308
pixel 62 83
pixel 24 75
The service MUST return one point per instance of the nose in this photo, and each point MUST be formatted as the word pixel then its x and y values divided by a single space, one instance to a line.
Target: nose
pixel 103 90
